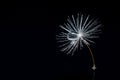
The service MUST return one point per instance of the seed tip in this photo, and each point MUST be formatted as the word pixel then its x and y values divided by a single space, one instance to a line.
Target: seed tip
pixel 94 67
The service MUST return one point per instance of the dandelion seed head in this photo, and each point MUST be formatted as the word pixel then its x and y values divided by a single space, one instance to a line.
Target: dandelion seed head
pixel 77 32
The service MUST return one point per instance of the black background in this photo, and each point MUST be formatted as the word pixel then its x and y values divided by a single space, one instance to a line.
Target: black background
pixel 29 49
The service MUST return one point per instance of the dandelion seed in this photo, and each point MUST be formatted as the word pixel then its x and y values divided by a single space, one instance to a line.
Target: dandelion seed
pixel 79 31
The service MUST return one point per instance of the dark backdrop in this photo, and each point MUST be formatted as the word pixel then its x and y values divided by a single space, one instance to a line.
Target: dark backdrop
pixel 29 49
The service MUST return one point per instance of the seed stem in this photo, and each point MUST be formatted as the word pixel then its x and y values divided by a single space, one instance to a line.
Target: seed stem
pixel 93 60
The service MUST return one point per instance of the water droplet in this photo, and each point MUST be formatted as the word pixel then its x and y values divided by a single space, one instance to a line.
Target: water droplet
pixel 72 36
